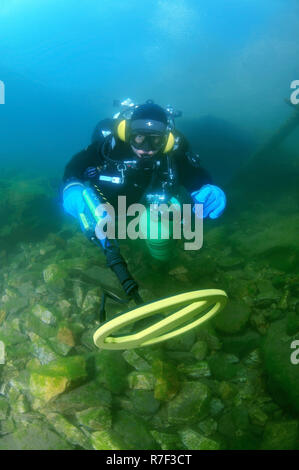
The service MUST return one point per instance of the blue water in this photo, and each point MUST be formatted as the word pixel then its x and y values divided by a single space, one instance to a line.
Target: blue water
pixel 64 62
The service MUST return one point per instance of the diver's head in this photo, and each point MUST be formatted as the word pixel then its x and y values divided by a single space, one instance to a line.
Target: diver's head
pixel 148 130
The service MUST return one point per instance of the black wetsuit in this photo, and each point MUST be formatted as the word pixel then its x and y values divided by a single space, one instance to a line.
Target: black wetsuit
pixel 149 173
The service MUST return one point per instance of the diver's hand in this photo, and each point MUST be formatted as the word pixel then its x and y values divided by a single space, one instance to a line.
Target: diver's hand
pixel 212 198
pixel 73 202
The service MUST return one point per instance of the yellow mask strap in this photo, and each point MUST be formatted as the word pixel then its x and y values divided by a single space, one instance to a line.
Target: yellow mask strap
pixel 170 143
pixel 121 130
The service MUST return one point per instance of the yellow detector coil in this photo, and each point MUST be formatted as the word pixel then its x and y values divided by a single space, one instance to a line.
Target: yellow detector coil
pixel 206 302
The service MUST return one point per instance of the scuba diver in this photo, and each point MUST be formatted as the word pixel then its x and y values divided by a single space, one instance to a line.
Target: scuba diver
pixel 138 154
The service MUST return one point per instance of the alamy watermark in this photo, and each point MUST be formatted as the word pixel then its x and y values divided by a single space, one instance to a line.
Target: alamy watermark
pixel 157 221
pixel 2 92
pixel 295 355
pixel 295 95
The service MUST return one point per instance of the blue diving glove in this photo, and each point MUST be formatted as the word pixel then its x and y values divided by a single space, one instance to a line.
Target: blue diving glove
pixel 212 198
pixel 73 202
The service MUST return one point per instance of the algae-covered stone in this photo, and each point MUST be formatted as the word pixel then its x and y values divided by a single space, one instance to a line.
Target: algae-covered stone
pixel 143 402
pixel 54 274
pixel 81 398
pixel 167 381
pixel 189 404
pixel 233 318
pixel 182 342
pixel 106 440
pixel 199 350
pixel 37 436
pixel 241 344
pixel 257 415
pixel 224 366
pixel 44 314
pixel 41 349
pixel 55 378
pixel 133 431
pixel 111 370
pixel 192 440
pixel 4 406
pixel 64 341
pixel 141 380
pixel 167 441
pixel 45 388
pixel 32 324
pixel 282 374
pixel 195 371
pixel 68 431
pixel 11 337
pixel 96 419
pixel 135 360
pixel 280 435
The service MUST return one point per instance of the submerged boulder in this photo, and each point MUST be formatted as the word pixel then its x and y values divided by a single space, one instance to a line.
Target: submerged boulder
pixel 54 378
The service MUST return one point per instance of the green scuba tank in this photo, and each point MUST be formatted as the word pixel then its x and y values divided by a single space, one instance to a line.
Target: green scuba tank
pixel 157 227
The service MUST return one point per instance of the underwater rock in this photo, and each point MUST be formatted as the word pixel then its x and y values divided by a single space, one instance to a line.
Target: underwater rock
pixel 195 371
pixel 142 402
pixel 43 314
pixel 64 307
pixel 257 415
pixel 111 370
pixel 167 441
pixel 92 301
pixel 41 349
pixel 189 404
pixel 281 435
pixel 133 431
pixel 241 344
pixel 182 342
pixel 199 350
pixel 52 379
pixel 54 275
pixel 68 431
pixel 141 380
pixel 167 380
pixel 135 360
pixel 4 407
pixel 233 318
pixel 106 440
pixel 81 398
pixel 282 375
pixel 192 440
pixel 224 366
pixel 95 419
pixel 78 294
pixel 64 341
pixel 37 436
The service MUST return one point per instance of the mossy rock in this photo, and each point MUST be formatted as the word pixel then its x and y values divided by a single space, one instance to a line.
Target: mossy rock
pixel 37 436
pixel 224 366
pixel 133 431
pixel 189 404
pixel 83 397
pixel 96 418
pixel 233 318
pixel 192 440
pixel 55 378
pixel 281 436
pixel 111 370
pixel 107 440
